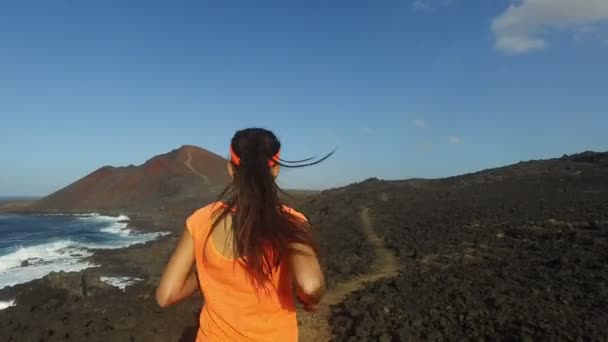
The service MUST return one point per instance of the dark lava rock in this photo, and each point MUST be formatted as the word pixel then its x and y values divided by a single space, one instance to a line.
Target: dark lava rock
pixel 25 263
pixel 344 250
pixel 508 255
pixel 54 308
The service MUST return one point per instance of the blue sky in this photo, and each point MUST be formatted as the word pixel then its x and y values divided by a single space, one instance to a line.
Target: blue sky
pixel 403 88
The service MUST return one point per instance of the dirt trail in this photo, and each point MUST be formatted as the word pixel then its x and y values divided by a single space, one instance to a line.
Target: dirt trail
pixel 205 179
pixel 315 327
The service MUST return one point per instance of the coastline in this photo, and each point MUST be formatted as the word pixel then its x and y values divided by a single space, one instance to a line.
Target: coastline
pixel 78 306
pixel 9 206
pixel 128 261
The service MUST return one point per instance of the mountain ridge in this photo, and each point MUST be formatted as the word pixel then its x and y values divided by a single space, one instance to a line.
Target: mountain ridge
pixel 185 173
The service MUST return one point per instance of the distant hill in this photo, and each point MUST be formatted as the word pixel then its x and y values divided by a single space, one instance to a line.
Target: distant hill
pixel 188 174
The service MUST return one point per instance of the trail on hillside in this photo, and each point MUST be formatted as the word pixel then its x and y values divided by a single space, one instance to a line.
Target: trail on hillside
pixel 205 179
pixel 315 327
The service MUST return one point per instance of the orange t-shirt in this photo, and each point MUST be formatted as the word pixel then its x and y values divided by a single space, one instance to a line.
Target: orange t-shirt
pixel 234 310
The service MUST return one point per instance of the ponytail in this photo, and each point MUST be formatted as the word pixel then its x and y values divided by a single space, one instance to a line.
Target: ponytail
pixel 263 230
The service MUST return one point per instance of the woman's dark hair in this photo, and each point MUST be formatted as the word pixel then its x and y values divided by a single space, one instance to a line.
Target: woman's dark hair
pixel 262 229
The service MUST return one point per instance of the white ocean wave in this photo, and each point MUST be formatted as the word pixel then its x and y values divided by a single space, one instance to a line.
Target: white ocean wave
pixel 95 217
pixel 41 260
pixel 119 228
pixel 66 214
pixel 120 282
pixel 113 224
pixel 68 255
pixel 6 304
pixel 126 240
pixel 42 254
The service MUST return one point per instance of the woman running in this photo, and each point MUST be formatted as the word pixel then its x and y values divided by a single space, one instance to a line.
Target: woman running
pixel 250 252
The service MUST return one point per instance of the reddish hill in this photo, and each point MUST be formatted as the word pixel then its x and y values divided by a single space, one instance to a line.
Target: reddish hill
pixel 187 174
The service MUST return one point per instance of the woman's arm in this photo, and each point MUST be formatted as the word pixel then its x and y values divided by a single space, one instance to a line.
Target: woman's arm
pixel 178 280
pixel 307 275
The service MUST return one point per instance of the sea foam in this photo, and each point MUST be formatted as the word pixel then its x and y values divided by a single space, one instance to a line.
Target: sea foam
pixel 6 304
pixel 69 255
pixel 41 260
pixel 120 282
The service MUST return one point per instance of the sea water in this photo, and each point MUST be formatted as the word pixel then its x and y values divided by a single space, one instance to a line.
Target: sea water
pixel 32 246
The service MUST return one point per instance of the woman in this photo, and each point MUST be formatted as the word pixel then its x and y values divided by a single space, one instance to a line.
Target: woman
pixel 249 249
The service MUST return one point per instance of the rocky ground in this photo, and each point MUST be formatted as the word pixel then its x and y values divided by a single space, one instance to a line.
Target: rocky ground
pixel 79 307
pixel 516 253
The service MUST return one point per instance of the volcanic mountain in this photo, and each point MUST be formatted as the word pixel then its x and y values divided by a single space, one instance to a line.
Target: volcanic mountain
pixel 188 174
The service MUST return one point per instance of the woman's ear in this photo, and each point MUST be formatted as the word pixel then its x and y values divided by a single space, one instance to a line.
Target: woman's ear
pixel 275 170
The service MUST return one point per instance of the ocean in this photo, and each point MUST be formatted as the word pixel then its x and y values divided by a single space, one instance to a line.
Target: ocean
pixel 32 246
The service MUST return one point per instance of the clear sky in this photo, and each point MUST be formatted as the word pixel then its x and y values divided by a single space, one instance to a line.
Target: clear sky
pixel 403 88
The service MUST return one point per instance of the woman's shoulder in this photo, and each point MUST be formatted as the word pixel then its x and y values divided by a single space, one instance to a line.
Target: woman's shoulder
pixel 202 216
pixel 206 210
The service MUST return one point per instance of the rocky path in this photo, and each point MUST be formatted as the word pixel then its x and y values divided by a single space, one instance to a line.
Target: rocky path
pixel 188 165
pixel 315 327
